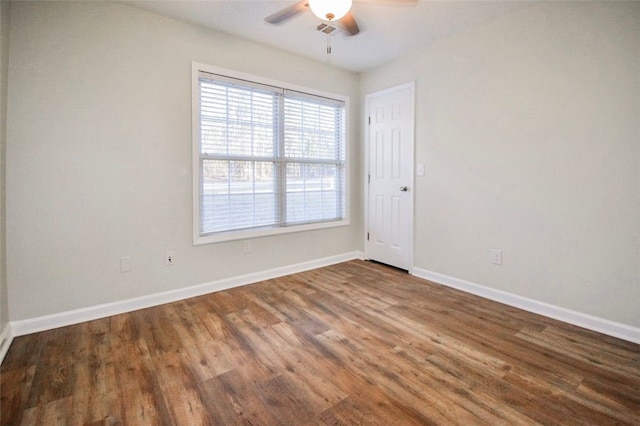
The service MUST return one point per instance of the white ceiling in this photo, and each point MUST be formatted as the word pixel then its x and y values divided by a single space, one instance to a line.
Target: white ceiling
pixel 387 30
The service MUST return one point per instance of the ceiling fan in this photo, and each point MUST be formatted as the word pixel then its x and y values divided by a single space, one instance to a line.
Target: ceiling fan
pixel 337 12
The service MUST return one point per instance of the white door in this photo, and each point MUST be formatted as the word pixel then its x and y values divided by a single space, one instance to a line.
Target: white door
pixel 390 143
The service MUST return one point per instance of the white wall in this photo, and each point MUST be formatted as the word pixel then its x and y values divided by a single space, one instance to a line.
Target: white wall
pixel 529 129
pixel 4 56
pixel 99 156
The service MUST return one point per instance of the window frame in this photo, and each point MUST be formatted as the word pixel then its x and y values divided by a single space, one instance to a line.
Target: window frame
pixel 243 234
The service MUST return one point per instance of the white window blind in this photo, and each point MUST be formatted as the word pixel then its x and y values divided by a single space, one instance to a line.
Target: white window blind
pixel 268 157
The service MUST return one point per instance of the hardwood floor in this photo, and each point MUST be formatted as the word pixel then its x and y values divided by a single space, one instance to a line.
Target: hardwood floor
pixel 354 343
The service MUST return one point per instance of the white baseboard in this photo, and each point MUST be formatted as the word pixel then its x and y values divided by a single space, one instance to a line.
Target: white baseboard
pixel 590 322
pixel 6 337
pixel 48 322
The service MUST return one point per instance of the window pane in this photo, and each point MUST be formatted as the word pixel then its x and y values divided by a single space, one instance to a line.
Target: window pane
pixel 314 192
pixel 237 195
pixel 236 121
pixel 312 130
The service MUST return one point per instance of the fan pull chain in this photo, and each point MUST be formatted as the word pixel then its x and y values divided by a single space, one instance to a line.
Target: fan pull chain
pixel 328 30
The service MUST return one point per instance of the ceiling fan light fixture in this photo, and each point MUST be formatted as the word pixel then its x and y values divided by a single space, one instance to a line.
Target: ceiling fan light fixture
pixel 330 10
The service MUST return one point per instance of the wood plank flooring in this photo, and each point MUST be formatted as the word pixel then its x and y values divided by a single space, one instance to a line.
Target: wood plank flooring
pixel 354 343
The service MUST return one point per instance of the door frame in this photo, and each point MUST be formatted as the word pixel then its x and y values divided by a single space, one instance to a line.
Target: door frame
pixel 412 95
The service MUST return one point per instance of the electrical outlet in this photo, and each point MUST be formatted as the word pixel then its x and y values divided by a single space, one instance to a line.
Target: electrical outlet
pixel 169 258
pixel 496 257
pixel 246 246
pixel 125 264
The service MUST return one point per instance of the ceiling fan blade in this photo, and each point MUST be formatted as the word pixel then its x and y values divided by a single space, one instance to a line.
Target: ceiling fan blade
pixel 288 12
pixel 348 23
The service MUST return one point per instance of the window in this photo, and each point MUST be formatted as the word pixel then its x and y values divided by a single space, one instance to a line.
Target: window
pixel 267 159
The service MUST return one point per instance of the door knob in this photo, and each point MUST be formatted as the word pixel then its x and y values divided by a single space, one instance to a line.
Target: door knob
pixel 404 188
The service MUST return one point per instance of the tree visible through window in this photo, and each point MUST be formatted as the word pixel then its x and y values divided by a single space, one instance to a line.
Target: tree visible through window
pixel 268 157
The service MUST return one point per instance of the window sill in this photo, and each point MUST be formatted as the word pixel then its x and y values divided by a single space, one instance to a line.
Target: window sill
pixel 264 232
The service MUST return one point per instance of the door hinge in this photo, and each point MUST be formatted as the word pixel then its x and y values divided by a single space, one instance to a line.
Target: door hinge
pixel 369 178
pixel 367 236
pixel 369 120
